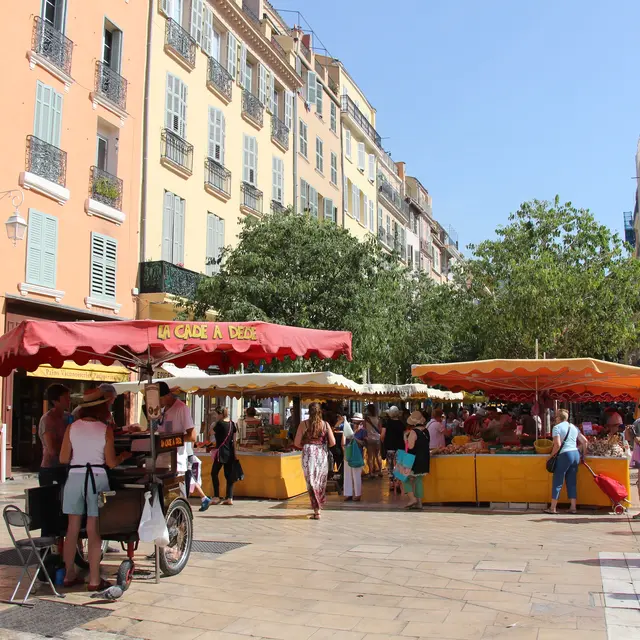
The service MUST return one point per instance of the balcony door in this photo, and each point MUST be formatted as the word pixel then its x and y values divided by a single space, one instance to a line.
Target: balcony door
pixel 53 13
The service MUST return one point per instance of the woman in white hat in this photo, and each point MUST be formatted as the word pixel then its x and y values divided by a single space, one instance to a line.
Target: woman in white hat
pixel 88 449
pixel 417 443
pixel 353 474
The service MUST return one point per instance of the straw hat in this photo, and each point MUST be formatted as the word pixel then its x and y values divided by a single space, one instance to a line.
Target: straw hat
pixel 93 397
pixel 416 418
pixel 357 417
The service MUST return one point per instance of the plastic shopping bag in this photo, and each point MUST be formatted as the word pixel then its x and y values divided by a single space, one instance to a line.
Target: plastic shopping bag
pixel 404 463
pixel 153 527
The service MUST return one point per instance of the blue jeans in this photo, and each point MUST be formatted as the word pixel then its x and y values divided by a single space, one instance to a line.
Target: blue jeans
pixel 566 471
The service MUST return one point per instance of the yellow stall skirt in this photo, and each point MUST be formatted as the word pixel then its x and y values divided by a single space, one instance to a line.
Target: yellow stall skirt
pixel 276 476
pixel 451 479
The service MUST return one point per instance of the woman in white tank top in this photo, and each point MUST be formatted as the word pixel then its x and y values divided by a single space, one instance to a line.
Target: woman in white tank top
pixel 88 449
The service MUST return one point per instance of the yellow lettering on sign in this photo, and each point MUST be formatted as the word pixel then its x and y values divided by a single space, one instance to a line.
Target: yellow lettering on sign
pixel 233 332
pixel 217 333
pixel 251 333
pixel 242 333
pixel 164 332
pixel 179 332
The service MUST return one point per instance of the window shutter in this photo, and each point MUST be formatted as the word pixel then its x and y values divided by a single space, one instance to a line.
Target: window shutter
pixel 111 267
pixel 216 135
pixel 271 95
pixel 167 7
pixel 303 196
pixel 48 115
pixel 176 115
pixel 245 158
pixel 104 253
pixel 313 201
pixel 219 240
pixel 319 92
pixel 372 167
pixel 178 230
pixel 334 124
pixel 35 247
pixel 361 156
pixel 311 87
pixel 347 143
pixel 49 251
pixel 262 84
pixel 183 110
pixel 334 168
pixel 167 227
pixel 277 192
pixel 288 109
pixel 232 55
pixel 372 225
pixel 365 209
pixel 355 194
pixel 254 148
pixel 211 244
pixel 345 194
pixel 328 209
pixel 207 32
pixel 197 10
pixel 379 217
pixel 250 164
pixel 243 66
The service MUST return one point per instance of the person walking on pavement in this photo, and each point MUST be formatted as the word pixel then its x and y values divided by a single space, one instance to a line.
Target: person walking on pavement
pixel 353 464
pixel 417 443
pixel 392 437
pixel 224 455
pixel 373 444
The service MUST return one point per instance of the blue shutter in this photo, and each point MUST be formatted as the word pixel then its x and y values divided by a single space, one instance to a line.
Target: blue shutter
pixel 48 116
pixel 104 254
pixel 49 251
pixel 167 227
pixel 211 244
pixel 42 249
pixel 178 230
pixel 219 238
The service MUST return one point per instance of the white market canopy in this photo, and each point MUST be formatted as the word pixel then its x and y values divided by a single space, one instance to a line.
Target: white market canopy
pixel 409 392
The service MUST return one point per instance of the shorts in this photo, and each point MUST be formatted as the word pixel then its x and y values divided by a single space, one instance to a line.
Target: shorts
pixel 73 500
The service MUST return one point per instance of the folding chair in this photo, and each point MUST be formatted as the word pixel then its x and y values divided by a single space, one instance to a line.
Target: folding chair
pixel 37 549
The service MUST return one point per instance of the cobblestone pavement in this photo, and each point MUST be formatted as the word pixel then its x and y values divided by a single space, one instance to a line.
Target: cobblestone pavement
pixel 374 574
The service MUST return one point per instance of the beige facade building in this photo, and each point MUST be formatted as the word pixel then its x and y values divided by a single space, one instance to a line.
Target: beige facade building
pixel 219 139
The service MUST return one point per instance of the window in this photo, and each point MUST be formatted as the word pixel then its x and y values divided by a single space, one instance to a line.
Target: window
pixel 436 259
pixel 365 209
pixel 288 110
pixel 311 87
pixel 42 249
pixel 304 196
pixel 355 196
pixel 388 229
pixel 250 160
pixel 372 223
pixel 173 228
pixel 216 135
pixel 275 101
pixel 48 116
pixel 313 202
pixel 53 12
pixel 372 168
pixel 347 143
pixel 197 11
pixel 262 85
pixel 329 211
pixel 277 192
pixel 176 114
pixel 248 75
pixel 319 92
pixel 272 97
pixel 345 194
pixel 380 227
pixel 303 139
pixel 361 156
pixel 173 9
pixel 210 37
pixel 111 46
pixel 334 117
pixel 104 256
pixel 319 155
pixel 334 168
pixel 232 55
pixel 215 243
pixel 102 153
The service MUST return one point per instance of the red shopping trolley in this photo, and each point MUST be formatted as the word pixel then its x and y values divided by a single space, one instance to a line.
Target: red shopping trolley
pixel 614 490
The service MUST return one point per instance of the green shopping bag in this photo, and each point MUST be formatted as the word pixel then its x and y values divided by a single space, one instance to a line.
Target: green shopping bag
pixel 354 456
pixel 404 464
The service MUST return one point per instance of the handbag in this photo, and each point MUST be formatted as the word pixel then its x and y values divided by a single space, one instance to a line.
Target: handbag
pixel 404 464
pixel 215 453
pixel 237 473
pixel 354 456
pixel 553 460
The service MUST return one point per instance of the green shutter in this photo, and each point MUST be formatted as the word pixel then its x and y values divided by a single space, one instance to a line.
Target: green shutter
pixel 48 116
pixel 42 249
pixel 104 252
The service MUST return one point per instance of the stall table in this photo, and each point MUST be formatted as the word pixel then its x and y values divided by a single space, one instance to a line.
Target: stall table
pixel 272 475
pixel 451 479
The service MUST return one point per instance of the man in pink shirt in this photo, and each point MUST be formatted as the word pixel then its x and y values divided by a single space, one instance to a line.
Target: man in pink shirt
pixel 437 430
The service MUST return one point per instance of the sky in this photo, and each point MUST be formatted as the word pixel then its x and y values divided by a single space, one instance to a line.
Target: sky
pixel 495 102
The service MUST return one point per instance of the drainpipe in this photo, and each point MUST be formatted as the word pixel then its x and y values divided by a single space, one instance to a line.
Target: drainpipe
pixel 295 151
pixel 145 138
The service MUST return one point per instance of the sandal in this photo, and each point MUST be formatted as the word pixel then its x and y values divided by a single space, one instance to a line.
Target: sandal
pixel 636 517
pixel 553 513
pixel 101 586
pixel 67 584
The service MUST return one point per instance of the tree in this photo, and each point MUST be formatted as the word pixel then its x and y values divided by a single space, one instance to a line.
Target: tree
pixel 299 271
pixel 553 273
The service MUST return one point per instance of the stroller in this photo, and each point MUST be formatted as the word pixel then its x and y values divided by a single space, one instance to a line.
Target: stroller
pixel 611 488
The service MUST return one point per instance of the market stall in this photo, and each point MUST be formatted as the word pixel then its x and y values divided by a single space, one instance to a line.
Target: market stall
pixel 517 474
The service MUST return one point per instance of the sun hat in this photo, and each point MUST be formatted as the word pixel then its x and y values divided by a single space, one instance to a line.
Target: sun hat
pixel 416 418
pixel 93 397
pixel 393 412
pixel 164 389
pixel 357 417
pixel 108 388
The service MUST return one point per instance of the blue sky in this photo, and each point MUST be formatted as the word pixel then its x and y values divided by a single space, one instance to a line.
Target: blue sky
pixel 494 102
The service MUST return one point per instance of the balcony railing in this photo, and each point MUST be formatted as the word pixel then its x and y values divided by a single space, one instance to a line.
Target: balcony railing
pixel 305 51
pixel 248 11
pixel 106 188
pixel 219 78
pixel 424 247
pixel 48 42
pixel 179 40
pixel 251 198
pixel 389 193
pixel 348 106
pixel 111 85
pixel 278 47
pixel 279 132
pixel 277 207
pixel 217 176
pixel 161 276
pixel 46 161
pixel 252 107
pixel 177 150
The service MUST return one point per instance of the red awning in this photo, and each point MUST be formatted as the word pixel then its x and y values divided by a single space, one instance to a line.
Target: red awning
pixel 150 343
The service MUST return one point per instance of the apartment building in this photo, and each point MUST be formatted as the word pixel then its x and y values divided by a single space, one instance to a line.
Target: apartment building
pixel 422 221
pixel 72 114
pixel 219 139
pixel 393 212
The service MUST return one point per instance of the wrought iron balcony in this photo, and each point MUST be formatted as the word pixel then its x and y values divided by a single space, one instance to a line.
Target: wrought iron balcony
pixel 180 42
pixel 46 161
pixel 252 107
pixel 48 42
pixel 217 177
pixel 111 85
pixel 106 188
pixel 278 47
pixel 219 78
pixel 251 198
pixel 161 276
pixel 279 132
pixel 305 51
pixel 424 247
pixel 348 106
pixel 389 193
pixel 277 207
pixel 177 150
pixel 248 11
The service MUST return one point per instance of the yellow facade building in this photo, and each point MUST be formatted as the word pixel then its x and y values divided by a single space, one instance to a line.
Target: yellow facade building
pixel 219 140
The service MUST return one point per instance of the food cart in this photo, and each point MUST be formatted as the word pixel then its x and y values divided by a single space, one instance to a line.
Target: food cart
pixel 143 346
pixel 515 475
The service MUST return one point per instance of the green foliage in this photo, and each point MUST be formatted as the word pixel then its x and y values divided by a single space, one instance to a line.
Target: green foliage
pixel 556 274
pixel 106 188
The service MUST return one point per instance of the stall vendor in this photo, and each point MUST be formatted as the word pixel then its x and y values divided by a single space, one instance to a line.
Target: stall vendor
pixel 613 425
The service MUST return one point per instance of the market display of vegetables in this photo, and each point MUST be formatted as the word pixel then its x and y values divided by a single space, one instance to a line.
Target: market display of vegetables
pixel 611 447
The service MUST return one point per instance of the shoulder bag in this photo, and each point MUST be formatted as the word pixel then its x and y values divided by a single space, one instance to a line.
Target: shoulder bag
pixel 553 460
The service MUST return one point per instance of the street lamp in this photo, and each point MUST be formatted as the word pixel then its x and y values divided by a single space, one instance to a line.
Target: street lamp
pixel 16 224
